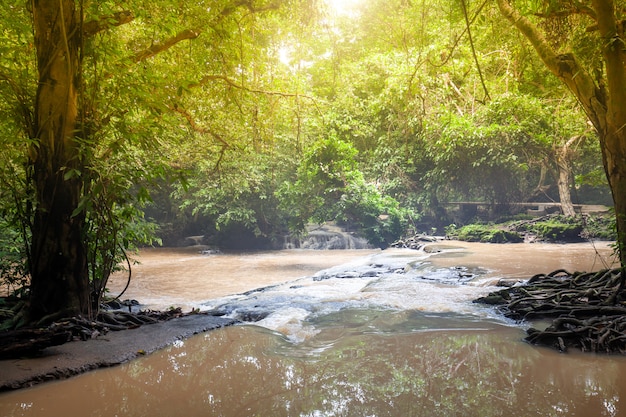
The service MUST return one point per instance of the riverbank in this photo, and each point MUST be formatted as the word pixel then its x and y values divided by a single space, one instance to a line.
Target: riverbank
pixel 195 278
pixel 113 348
pixel 162 278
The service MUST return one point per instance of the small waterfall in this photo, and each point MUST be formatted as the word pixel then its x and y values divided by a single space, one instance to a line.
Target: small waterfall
pixel 326 237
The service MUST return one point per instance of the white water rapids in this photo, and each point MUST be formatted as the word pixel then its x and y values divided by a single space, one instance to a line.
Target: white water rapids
pixel 445 277
pixel 391 333
pixel 398 279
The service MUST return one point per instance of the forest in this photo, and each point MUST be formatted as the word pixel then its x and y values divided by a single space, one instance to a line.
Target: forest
pixel 132 123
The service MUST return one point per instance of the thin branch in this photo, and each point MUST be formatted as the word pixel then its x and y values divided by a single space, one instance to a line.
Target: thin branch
pixel 471 41
pixel 22 100
pixel 160 47
pixel 196 128
pixel 250 6
pixel 204 130
pixel 458 39
pixel 106 22
pixel 575 7
pixel 207 78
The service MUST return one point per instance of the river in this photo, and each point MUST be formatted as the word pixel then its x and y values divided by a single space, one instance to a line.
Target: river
pixel 358 333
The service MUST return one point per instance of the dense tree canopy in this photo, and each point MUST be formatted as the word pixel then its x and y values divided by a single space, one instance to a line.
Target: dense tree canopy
pixel 581 43
pixel 125 122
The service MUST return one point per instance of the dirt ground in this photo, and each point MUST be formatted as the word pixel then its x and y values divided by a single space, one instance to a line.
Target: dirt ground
pixel 111 349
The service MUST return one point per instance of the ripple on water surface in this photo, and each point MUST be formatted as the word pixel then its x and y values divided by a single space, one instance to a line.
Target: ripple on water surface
pixel 361 362
pixel 395 280
pixel 388 344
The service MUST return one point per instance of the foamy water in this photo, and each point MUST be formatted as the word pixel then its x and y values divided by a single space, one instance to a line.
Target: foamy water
pixel 396 279
pixel 390 333
pixel 285 291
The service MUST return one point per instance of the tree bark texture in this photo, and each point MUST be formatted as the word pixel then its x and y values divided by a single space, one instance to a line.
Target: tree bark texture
pixel 603 99
pixel 564 168
pixel 59 274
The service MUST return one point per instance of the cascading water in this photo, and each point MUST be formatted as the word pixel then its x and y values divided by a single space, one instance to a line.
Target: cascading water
pixel 391 333
pixel 326 237
pixel 395 279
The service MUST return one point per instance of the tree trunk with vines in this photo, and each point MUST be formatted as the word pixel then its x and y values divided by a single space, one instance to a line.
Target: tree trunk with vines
pixel 603 97
pixel 59 275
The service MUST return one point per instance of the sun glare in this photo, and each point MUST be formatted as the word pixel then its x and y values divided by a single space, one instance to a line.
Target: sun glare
pixel 343 7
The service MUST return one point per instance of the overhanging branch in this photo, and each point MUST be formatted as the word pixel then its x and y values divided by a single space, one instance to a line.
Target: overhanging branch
pixel 568 10
pixel 196 127
pixel 105 22
pixel 208 78
pixel 249 4
pixel 565 66
pixel 160 47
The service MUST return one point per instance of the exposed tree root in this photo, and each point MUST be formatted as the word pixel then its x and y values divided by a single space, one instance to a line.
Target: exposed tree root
pixel 26 342
pixel 588 309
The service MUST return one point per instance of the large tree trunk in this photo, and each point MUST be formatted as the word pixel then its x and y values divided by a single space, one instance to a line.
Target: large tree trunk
pixel 612 132
pixel 564 168
pixel 563 183
pixel 604 100
pixel 59 275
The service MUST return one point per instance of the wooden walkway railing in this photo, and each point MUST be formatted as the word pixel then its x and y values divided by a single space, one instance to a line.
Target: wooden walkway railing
pixel 531 207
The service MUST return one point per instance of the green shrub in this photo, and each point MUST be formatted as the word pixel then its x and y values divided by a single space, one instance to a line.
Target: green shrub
pixel 601 227
pixel 483 233
pixel 13 270
pixel 556 231
pixel 559 228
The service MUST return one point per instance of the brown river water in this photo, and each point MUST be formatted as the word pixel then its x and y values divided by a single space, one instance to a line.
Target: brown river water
pixel 408 342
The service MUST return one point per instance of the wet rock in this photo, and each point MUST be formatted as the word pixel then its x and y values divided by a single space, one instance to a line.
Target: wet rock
pixel 491 299
pixel 348 274
pixel 120 305
pixel 321 277
pixel 113 305
pixel 327 237
pixel 416 242
pixel 251 316
pixel 431 249
pixel 261 289
pixel 339 275
pixel 210 252
pixel 193 240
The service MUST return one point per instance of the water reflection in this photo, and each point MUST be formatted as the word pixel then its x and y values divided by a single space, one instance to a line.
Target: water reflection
pixel 361 363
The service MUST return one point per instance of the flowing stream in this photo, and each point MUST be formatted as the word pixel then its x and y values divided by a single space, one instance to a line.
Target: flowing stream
pixel 345 333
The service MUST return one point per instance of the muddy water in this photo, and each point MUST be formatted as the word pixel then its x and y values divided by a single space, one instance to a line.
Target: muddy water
pixel 183 277
pixel 522 260
pixel 362 364
pixel 369 355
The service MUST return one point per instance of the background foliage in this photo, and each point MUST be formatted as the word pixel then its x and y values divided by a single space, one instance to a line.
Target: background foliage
pixel 266 116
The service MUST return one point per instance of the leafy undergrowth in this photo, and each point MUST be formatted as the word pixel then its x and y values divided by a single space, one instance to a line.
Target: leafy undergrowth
pixel 484 234
pixel 551 228
pixel 588 309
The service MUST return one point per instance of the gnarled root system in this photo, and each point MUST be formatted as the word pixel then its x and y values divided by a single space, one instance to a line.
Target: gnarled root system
pixel 588 309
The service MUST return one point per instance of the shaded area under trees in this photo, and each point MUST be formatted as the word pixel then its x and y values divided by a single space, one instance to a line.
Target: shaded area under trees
pixel 259 117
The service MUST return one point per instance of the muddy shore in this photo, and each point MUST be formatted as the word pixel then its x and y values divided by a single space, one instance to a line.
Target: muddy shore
pixel 158 276
pixel 113 348
pixel 188 276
